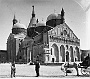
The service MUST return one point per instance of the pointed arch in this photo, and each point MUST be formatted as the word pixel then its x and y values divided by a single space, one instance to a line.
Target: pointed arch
pixel 56 52
pixel 77 53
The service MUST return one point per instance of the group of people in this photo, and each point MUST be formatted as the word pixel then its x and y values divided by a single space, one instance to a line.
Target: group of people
pixel 67 65
pixel 13 69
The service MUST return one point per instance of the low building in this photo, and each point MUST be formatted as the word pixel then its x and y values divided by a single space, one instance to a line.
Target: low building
pixel 3 56
pixel 84 53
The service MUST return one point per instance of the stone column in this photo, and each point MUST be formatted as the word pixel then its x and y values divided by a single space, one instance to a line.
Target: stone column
pixel 60 57
pixel 30 55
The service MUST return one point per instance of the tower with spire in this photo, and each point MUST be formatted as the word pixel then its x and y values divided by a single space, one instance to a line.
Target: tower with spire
pixel 33 19
pixel 32 24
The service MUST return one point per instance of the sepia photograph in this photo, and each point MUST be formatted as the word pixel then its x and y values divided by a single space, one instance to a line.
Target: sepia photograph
pixel 44 39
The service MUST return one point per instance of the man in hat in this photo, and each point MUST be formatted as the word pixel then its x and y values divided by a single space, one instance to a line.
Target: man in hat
pixel 37 66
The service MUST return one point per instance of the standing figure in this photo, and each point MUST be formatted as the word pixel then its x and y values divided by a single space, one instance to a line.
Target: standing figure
pixel 37 66
pixel 86 61
pixel 13 70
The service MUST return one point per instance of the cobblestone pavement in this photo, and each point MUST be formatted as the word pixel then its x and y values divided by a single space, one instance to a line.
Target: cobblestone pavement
pixel 28 71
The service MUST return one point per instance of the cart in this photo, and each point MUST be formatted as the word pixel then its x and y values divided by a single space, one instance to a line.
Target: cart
pixel 85 69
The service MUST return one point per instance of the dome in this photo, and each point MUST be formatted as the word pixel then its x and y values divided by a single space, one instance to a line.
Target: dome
pixel 18 25
pixel 40 24
pixel 40 27
pixel 59 16
pixel 52 16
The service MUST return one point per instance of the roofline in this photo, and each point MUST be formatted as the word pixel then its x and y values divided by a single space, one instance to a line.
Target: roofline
pixel 3 50
pixel 72 31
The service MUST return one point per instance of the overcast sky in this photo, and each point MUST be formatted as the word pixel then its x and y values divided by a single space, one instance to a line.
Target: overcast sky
pixel 75 15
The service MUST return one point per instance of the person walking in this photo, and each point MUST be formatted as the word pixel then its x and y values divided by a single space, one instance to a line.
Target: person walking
pixel 13 70
pixel 37 66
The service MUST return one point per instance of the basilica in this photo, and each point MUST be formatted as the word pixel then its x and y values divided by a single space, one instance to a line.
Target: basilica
pixel 50 42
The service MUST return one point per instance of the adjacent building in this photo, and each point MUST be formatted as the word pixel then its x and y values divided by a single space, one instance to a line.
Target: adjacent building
pixel 84 53
pixel 3 56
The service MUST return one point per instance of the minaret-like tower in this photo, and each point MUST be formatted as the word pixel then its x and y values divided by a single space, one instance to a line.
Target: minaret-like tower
pixel 32 24
pixel 14 20
pixel 33 12
pixel 33 19
pixel 62 16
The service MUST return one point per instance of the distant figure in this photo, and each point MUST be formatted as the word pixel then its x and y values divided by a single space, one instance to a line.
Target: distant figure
pixel 86 61
pixel 13 70
pixel 37 66
pixel 87 57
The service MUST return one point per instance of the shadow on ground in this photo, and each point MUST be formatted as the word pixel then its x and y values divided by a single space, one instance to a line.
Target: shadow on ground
pixel 5 76
pixel 59 76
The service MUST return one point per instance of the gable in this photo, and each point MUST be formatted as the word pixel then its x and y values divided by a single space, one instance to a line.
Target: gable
pixel 62 31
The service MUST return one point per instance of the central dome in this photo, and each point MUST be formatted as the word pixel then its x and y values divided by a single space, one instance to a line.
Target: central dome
pixel 52 16
pixel 18 25
pixel 19 28
pixel 40 27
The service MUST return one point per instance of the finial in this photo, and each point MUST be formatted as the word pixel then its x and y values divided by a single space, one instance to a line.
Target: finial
pixel 33 13
pixel 33 9
pixel 14 20
pixel 14 16
pixel 62 9
pixel 62 12
pixel 33 6
pixel 37 21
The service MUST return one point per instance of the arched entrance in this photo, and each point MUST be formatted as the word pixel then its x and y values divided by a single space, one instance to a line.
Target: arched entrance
pixel 62 52
pixel 55 52
pixel 67 56
pixel 71 54
pixel 77 53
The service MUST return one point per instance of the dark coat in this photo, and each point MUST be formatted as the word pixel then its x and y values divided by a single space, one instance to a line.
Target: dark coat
pixel 37 66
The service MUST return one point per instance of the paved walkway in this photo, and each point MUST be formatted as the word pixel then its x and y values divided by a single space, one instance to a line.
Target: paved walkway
pixel 25 71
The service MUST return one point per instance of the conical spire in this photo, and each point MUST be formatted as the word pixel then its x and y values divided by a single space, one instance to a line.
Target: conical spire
pixel 33 12
pixel 33 19
pixel 62 16
pixel 14 16
pixel 14 20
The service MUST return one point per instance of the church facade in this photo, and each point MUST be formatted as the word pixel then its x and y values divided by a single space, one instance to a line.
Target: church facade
pixel 50 42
